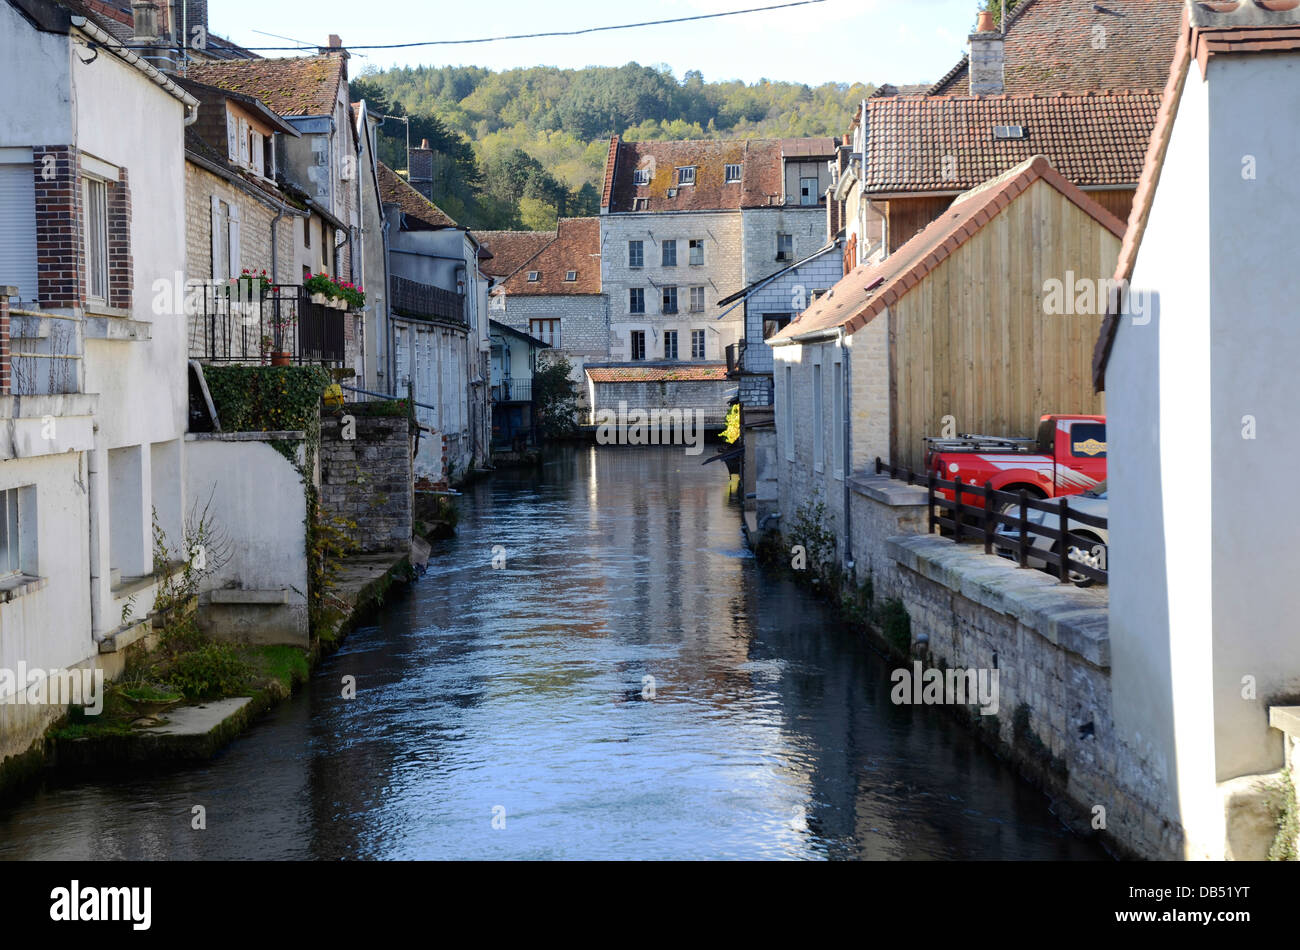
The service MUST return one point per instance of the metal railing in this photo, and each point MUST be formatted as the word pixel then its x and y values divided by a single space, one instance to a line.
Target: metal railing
pixel 513 390
pixel 411 298
pixel 989 508
pixel 229 327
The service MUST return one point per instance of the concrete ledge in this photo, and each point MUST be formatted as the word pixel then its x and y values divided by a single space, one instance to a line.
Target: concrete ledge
pixel 126 635
pixel 1285 718
pixel 117 328
pixel 1075 619
pixel 21 587
pixel 235 596
pixel 889 491
pixel 245 436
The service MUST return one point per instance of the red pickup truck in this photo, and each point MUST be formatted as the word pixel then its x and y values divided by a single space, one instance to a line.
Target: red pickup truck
pixel 1067 457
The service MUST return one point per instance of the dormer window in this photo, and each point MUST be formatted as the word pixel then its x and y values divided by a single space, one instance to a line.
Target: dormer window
pixel 733 174
pixel 641 176
pixel 571 275
pixel 686 175
pixel 640 204
pixel 533 276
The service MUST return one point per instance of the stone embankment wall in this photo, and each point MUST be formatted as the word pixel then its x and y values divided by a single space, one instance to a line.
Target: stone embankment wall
pixel 367 478
pixel 1050 645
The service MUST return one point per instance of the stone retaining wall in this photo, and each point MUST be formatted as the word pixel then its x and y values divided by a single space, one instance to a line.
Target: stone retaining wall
pixel 369 479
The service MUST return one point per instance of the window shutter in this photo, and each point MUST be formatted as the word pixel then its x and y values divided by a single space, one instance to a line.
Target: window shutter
pixel 234 240
pixel 18 229
pixel 216 239
pixel 232 137
pixel 244 157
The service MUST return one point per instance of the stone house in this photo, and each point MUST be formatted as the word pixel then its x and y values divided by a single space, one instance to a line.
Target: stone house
pixel 94 379
pixel 951 327
pixel 1197 361
pixel 440 343
pixel 555 295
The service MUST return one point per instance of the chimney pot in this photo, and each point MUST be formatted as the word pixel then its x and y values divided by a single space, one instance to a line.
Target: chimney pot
pixel 987 56
pixel 424 143
pixel 985 24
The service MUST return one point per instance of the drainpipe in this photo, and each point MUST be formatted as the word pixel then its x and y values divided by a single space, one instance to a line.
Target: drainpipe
pixel 96 568
pixel 848 451
pixel 386 333
pixel 275 245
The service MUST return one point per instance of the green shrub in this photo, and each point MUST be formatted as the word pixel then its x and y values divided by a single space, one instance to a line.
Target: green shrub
pixel 1288 823
pixel 211 671
pixel 896 625
pixel 266 398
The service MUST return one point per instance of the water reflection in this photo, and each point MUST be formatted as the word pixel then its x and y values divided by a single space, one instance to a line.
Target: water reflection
pixel 517 693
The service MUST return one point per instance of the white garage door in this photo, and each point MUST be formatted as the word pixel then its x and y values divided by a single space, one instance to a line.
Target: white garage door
pixel 18 229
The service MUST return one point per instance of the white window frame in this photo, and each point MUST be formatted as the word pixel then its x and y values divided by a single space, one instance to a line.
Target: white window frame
pixel 732 174
pixel 546 329
pixel 534 276
pixel 664 247
pixel 695 249
pixel 632 292
pixel 697 300
pixel 670 351
pixel 819 419
pixel 700 337
pixel 631 346
pixel 17 550
pixel 571 275
pixel 685 175
pixel 812 197
pixel 94 195
pixel 636 260
pixel 641 176
pixel 782 255
pixel 664 293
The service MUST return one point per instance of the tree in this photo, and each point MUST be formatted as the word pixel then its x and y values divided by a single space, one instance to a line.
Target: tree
pixel 554 397
pixel 998 7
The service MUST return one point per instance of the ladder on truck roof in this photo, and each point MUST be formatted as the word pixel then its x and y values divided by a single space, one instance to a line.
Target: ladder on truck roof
pixel 967 442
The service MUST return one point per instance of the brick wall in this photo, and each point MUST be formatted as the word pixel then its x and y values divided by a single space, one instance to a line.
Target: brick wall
pixel 121 273
pixel 369 479
pixel 5 381
pixel 58 226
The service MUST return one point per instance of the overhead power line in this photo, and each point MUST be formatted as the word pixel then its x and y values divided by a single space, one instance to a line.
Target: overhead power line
pixel 534 36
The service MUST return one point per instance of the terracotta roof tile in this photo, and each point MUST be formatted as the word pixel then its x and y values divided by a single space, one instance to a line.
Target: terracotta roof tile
pixel 393 189
pixel 576 248
pixel 869 288
pixel 306 85
pixel 1051 46
pixel 510 249
pixel 761 182
pixel 653 374
pixel 946 143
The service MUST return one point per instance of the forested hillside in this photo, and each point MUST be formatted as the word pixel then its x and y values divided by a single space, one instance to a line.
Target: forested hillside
pixel 519 148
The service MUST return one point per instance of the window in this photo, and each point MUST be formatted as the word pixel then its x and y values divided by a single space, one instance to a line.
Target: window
pixel 686 175
pixel 641 176
pixel 773 323
pixel 548 330
pixel 18 266
pixel 670 299
pixel 636 300
pixel 697 252
pixel 533 276
pixel 697 299
pixel 1088 440
pixel 638 344
pixel 808 191
pixel 669 253
pixel 670 344
pixel 733 173
pixel 257 151
pixel 697 345
pixel 95 195
pixel 819 441
pixel 785 247
pixel 636 254
pixel 640 204
pixel 16 521
pixel 306 232
pixel 837 400
pixel 571 275
pixel 788 409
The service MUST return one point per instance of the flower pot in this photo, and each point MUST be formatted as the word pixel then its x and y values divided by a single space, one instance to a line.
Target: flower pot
pixel 281 359
pixel 152 707
pixel 320 299
pixel 338 303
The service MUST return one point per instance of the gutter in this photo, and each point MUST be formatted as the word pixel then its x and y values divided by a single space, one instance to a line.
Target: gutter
pixel 847 466
pixel 110 43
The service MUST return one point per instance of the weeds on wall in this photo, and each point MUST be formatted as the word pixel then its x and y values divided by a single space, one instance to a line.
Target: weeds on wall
pixel 1288 823
pixel 267 398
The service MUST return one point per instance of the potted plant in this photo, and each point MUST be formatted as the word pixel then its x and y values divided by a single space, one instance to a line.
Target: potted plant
pixel 321 287
pixel 281 327
pixel 353 296
pixel 148 699
pixel 249 285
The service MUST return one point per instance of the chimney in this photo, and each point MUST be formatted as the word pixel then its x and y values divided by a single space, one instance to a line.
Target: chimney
pixel 986 58
pixel 420 169
pixel 144 14
pixel 335 41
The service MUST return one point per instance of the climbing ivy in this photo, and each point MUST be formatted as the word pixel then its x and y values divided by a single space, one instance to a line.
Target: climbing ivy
pixel 266 398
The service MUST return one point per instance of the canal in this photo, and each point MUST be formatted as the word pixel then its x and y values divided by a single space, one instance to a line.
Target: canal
pixel 623 682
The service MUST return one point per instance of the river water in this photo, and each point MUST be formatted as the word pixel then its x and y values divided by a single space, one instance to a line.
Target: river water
pixel 506 712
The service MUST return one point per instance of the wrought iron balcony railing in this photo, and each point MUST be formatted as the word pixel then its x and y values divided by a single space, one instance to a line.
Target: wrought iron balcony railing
pixel 410 298
pixel 513 390
pixel 281 326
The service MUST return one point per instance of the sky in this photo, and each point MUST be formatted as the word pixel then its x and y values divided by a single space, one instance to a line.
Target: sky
pixel 898 41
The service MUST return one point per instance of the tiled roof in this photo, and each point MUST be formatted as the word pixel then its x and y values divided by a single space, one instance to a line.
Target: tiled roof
pixel 305 85
pixel 654 374
pixel 511 248
pixel 419 210
pixel 1249 26
pixel 870 288
pixel 1081 46
pixel 761 182
pixel 947 144
pixel 889 89
pixel 576 248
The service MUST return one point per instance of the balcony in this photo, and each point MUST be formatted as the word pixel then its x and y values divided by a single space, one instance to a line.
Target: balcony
pixel 226 328
pixel 513 390
pixel 410 298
